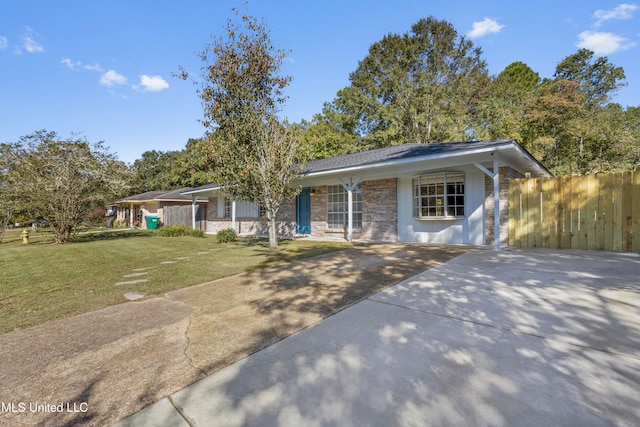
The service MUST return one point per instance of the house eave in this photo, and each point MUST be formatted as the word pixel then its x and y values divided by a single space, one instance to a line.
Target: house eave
pixel 532 165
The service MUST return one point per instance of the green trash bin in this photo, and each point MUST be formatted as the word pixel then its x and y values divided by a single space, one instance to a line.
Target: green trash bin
pixel 152 221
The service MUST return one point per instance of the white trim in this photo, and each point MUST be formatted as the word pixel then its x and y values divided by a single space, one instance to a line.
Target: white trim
pixel 507 146
pixel 350 188
pixel 193 211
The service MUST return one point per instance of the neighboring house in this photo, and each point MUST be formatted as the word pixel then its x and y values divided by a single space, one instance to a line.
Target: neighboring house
pixel 172 207
pixel 432 193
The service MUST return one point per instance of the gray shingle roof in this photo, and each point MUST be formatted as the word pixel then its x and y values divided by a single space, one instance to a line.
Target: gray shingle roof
pixel 397 152
pixel 161 196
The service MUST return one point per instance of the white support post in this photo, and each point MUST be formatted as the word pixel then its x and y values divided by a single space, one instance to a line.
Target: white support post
pixel 131 212
pixel 350 189
pixel 350 215
pixel 233 215
pixel 193 211
pixel 495 175
pixel 496 204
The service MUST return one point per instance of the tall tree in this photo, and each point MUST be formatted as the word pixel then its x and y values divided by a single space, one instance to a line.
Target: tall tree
pixel 169 170
pixel 421 86
pixel 61 180
pixel 7 202
pixel 241 88
pixel 329 134
pixel 502 111
pixel 598 78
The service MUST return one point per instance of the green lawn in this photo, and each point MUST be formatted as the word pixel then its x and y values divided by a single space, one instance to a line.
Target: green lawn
pixel 41 281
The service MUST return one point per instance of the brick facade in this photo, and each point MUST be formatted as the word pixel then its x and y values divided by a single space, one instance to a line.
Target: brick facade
pixel 506 173
pixel 379 211
pixel 253 226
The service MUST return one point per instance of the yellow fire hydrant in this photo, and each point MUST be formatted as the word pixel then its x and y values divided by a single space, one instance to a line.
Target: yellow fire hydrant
pixel 25 236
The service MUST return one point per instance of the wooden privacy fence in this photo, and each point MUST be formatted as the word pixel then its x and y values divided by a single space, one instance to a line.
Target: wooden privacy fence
pixel 594 212
pixel 174 215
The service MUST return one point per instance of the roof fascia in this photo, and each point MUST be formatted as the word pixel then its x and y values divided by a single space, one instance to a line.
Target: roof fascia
pixel 410 160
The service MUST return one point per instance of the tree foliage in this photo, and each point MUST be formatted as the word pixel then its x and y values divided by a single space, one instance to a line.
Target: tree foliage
pixel 252 150
pixel 421 86
pixel 432 85
pixel 59 181
pixel 168 170
pixel 598 78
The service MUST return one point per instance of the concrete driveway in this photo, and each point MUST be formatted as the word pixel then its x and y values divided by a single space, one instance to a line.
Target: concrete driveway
pixel 517 337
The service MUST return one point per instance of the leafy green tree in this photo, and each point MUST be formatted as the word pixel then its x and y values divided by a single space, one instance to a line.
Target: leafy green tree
pixel 7 202
pixel 252 150
pixel 329 134
pixel 169 170
pixel 598 78
pixel 61 180
pixel 152 172
pixel 422 86
pixel 501 113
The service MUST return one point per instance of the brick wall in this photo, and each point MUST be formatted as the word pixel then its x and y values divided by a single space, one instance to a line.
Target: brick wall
pixel 506 173
pixel 379 211
pixel 253 226
pixel 318 211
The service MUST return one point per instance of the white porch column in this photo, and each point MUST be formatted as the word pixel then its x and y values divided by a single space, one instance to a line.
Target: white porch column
pixel 131 215
pixel 233 215
pixel 495 175
pixel 496 204
pixel 350 188
pixel 193 211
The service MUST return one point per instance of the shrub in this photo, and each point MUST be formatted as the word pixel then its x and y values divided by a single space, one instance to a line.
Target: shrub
pixel 95 217
pixel 178 231
pixel 225 236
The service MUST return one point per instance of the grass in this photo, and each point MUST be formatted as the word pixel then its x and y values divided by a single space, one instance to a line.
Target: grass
pixel 41 282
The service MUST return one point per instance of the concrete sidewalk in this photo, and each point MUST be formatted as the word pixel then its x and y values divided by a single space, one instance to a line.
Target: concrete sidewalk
pixel 518 337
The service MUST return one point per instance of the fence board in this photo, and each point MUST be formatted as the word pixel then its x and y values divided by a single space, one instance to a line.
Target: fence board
pixel 566 212
pixel 545 224
pixel 635 209
pixel 591 213
pixel 512 214
pixel 530 212
pixel 600 212
pixel 552 213
pixel 574 213
pixel 616 217
pixel 174 215
pixel 627 200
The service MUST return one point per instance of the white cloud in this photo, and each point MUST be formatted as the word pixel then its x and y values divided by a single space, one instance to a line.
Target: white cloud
pixel 29 43
pixel 484 27
pixel 603 43
pixel 622 11
pixel 69 63
pixel 112 78
pixel 153 83
pixel 4 42
pixel 95 67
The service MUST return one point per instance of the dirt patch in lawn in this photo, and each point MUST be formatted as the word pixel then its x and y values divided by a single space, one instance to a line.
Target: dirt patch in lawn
pixel 103 366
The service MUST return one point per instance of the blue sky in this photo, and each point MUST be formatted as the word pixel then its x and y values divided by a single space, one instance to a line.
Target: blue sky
pixel 103 68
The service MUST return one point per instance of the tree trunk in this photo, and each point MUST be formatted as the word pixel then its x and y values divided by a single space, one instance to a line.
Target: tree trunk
pixel 273 232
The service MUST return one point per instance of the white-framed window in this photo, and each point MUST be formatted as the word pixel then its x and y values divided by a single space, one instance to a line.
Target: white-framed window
pixel 244 209
pixel 228 206
pixel 338 208
pixel 439 195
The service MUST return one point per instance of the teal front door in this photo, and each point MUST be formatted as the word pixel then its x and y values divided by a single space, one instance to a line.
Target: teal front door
pixel 303 212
